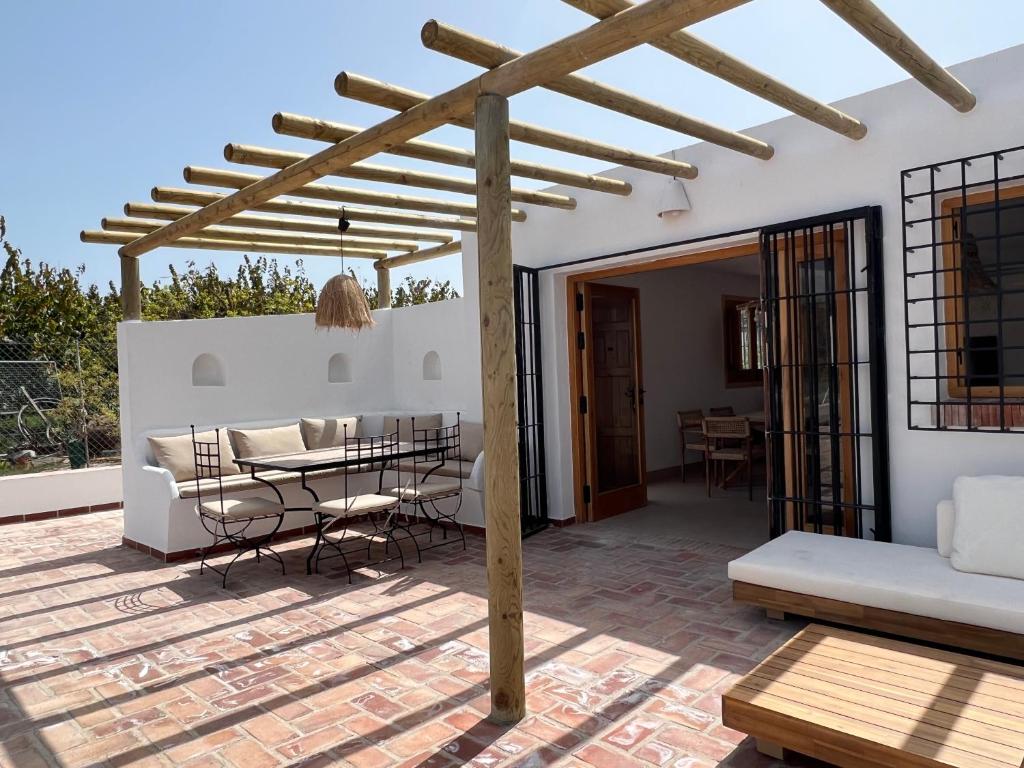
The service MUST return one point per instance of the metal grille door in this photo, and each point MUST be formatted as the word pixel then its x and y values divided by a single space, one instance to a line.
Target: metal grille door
pixel 826 437
pixel 533 493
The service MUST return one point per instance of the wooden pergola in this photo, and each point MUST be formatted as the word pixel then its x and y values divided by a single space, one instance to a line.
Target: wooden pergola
pixel 389 228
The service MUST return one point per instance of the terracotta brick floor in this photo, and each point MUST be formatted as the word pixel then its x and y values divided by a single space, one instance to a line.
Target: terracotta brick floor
pixel 108 657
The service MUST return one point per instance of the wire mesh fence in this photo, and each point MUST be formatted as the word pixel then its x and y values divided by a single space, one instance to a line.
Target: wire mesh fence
pixel 58 404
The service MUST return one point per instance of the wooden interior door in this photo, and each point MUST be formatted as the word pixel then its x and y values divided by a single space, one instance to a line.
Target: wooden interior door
pixel 614 416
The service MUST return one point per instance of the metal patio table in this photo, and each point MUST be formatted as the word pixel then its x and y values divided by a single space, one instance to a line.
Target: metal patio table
pixel 312 462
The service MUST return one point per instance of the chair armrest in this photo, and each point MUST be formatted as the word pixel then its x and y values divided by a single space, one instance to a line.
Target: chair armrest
pixel 475 481
pixel 945 523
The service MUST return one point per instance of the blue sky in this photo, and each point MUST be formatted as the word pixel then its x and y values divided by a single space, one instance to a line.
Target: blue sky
pixel 103 100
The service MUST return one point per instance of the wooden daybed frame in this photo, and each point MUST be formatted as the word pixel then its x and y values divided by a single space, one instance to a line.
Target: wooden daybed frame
pixel 778 602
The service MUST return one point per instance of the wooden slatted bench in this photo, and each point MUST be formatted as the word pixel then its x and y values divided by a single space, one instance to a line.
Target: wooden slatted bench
pixel 860 701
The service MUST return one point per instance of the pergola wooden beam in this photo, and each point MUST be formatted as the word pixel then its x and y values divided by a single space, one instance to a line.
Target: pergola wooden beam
pixel 304 127
pixel 459 44
pixel 405 259
pixel 691 49
pixel 214 177
pixel 214 244
pixel 653 19
pixel 300 208
pixel 246 154
pixel 366 89
pixel 868 19
pixel 222 232
pixel 175 212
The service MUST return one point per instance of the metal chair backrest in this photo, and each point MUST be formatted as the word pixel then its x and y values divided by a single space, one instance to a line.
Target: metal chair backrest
pixel 434 446
pixel 726 427
pixel 724 410
pixel 207 463
pixel 380 453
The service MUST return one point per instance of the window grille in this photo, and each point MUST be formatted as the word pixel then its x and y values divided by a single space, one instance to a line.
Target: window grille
pixel 963 245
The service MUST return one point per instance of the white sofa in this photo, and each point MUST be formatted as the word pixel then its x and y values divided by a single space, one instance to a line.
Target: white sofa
pixel 160 512
pixel 913 591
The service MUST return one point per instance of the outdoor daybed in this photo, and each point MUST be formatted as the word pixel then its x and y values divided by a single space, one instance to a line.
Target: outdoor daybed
pixel 948 595
pixel 170 487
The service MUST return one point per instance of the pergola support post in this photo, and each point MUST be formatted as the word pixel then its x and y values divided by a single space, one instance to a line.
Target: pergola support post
pixel 383 287
pixel 498 357
pixel 131 288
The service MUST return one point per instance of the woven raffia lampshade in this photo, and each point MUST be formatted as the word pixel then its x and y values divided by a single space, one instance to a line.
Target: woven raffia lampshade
pixel 342 304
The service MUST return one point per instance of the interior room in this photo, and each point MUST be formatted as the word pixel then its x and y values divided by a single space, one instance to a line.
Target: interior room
pixel 696 356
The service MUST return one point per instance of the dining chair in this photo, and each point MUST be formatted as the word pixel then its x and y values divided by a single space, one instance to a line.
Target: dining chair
pixel 433 447
pixel 690 436
pixel 727 440
pixel 335 516
pixel 229 520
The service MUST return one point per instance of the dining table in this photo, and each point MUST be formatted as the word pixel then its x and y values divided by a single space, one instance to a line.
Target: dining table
pixel 319 462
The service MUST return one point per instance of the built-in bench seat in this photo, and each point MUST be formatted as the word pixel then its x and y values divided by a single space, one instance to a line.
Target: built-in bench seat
pixel 904 590
pixel 169 486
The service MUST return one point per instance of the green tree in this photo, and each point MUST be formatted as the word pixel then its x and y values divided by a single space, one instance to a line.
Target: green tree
pixel 50 313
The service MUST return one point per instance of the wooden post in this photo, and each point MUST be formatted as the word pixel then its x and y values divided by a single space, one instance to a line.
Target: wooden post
pixel 131 288
pixel 501 466
pixel 383 286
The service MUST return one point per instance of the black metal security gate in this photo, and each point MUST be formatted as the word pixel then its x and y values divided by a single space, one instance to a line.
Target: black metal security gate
pixel 533 492
pixel 825 396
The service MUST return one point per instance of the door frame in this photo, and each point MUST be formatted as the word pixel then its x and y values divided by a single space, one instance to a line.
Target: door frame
pixel 577 388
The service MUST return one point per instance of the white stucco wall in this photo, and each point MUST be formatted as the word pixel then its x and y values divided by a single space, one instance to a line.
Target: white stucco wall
pixel 66 489
pixel 814 171
pixel 276 369
pixel 683 351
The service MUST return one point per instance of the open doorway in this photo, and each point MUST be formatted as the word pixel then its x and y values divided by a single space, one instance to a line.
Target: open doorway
pixel 652 341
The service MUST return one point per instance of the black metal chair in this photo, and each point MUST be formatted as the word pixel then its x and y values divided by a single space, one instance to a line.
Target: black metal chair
pixel 338 515
pixel 433 448
pixel 229 520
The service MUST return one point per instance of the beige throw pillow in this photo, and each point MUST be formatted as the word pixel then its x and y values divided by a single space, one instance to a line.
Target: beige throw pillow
pixel 329 433
pixel 471 439
pixel 176 455
pixel 272 441
pixel 403 424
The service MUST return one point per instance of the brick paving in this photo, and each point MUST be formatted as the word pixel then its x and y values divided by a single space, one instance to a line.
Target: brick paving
pixel 108 657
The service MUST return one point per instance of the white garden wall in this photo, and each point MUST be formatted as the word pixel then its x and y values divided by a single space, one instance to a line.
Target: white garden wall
pixel 277 368
pixel 61 491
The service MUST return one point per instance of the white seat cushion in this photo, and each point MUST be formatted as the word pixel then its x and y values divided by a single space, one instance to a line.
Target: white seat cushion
pixel 241 509
pixel 356 505
pixel 450 468
pixel 428 489
pixel 988 534
pixel 894 577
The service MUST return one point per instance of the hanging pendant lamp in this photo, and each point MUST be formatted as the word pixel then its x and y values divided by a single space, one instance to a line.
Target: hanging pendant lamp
pixel 342 303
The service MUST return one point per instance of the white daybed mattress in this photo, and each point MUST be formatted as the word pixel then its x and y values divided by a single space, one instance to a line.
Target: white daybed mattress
pixel 894 577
